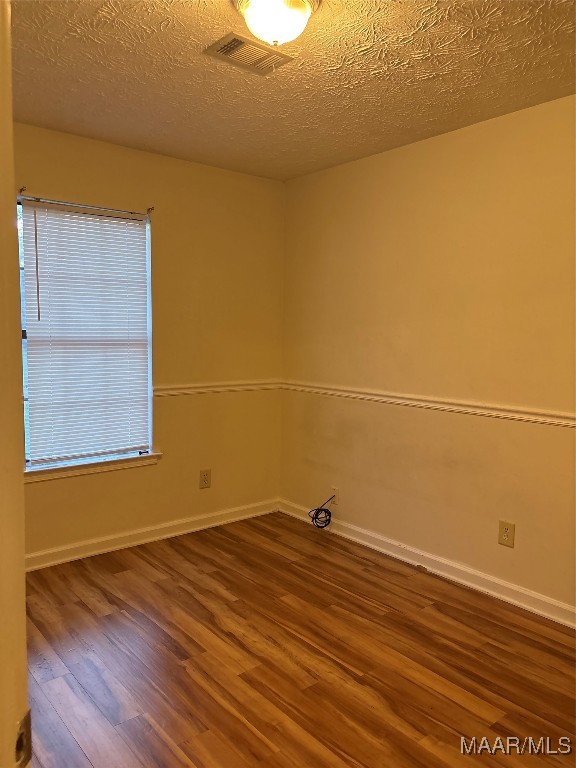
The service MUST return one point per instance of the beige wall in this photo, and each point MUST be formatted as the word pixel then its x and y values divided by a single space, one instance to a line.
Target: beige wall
pixel 216 318
pixel 13 697
pixel 443 269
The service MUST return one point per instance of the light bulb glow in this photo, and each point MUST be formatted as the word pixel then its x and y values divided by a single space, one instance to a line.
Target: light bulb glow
pixel 276 21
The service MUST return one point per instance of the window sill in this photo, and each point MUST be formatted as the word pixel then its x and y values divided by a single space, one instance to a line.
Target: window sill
pixel 40 475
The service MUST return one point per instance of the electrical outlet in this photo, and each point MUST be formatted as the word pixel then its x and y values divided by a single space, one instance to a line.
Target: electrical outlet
pixel 336 494
pixel 205 478
pixel 506 533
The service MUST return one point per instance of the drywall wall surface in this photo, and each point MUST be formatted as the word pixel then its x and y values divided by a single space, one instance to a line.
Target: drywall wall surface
pixel 435 282
pixel 13 695
pixel 439 482
pixel 216 297
pixel 233 434
pixel 427 342
pixel 441 268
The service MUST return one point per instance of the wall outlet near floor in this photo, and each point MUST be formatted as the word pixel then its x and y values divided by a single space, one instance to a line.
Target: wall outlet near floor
pixel 205 478
pixel 336 494
pixel 506 533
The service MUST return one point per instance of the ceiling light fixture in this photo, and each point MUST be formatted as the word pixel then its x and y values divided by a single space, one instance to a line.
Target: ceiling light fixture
pixel 276 21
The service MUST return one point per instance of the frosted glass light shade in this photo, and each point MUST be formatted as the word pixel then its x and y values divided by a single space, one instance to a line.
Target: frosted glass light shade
pixel 276 21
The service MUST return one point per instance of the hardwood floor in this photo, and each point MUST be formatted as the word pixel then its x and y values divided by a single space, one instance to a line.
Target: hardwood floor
pixel 270 644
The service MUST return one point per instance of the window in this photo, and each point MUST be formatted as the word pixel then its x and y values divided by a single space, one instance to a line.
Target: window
pixel 86 334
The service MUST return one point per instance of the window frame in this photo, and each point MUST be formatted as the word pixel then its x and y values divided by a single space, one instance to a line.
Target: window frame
pixel 96 463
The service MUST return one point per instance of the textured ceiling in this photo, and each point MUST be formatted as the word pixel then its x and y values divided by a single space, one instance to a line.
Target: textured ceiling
pixel 369 75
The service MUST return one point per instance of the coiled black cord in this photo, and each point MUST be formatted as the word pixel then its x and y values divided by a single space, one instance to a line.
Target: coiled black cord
pixel 321 516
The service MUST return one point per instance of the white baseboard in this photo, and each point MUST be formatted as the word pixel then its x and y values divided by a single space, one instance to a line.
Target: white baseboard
pixel 89 547
pixel 450 569
pixel 535 602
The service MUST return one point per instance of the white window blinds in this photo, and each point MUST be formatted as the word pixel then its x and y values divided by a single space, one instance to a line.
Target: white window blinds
pixel 86 337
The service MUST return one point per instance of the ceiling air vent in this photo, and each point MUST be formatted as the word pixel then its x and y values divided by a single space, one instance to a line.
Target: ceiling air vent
pixel 247 54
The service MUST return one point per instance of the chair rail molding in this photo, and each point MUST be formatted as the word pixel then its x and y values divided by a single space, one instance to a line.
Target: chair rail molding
pixel 209 387
pixel 467 408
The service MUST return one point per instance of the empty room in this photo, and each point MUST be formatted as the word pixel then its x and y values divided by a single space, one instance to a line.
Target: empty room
pixel 287 383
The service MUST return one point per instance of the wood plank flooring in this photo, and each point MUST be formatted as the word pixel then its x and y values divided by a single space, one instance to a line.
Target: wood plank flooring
pixel 270 644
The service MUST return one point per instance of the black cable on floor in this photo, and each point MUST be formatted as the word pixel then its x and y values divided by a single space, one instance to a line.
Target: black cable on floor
pixel 321 516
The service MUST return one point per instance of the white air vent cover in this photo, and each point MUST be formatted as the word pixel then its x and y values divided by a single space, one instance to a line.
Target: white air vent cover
pixel 247 54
